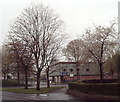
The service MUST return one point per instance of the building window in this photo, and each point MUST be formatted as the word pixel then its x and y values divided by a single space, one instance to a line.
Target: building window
pixel 71 70
pixel 87 70
pixel 77 69
pixel 64 70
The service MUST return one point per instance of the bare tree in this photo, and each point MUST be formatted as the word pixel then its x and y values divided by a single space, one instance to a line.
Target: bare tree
pixel 48 66
pixel 34 26
pixel 23 57
pixel 6 60
pixel 16 63
pixel 111 65
pixel 100 42
pixel 118 65
pixel 74 52
pixel 51 58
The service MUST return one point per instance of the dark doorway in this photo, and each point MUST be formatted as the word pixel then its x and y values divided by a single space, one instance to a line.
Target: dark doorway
pixel 53 78
pixel 62 78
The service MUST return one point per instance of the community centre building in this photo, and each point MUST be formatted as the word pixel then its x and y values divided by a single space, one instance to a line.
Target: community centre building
pixel 67 71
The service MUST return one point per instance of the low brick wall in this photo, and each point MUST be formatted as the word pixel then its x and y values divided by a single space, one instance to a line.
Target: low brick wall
pixel 89 77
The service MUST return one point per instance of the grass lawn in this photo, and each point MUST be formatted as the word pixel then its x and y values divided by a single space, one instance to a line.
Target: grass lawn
pixel 31 90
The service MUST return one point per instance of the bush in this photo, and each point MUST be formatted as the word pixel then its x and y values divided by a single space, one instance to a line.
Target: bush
pixel 99 81
pixel 10 83
pixel 96 88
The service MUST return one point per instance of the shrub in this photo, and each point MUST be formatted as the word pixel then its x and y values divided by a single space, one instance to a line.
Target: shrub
pixel 96 88
pixel 9 83
pixel 99 81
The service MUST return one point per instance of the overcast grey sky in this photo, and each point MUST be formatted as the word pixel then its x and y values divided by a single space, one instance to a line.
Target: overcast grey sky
pixel 77 14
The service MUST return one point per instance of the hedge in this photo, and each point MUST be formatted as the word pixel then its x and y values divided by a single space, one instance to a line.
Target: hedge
pixel 96 88
pixel 10 83
pixel 99 81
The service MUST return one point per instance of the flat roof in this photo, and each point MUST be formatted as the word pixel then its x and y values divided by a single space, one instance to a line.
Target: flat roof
pixel 71 63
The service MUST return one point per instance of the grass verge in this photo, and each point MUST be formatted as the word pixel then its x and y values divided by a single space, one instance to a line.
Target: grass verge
pixel 31 90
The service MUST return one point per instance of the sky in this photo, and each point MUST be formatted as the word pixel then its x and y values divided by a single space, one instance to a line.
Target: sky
pixel 76 14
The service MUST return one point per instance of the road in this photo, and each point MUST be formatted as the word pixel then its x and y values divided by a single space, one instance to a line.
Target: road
pixel 56 95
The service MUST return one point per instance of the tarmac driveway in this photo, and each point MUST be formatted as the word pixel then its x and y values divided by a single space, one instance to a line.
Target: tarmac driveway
pixel 56 95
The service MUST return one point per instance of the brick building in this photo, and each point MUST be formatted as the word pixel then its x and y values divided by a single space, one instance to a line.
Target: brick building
pixel 67 71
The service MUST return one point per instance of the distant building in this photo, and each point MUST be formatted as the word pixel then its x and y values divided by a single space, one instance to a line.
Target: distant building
pixel 67 71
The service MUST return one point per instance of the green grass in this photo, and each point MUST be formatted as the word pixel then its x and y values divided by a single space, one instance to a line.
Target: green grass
pixel 31 90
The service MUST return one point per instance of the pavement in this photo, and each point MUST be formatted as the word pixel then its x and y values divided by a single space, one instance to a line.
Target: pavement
pixel 55 95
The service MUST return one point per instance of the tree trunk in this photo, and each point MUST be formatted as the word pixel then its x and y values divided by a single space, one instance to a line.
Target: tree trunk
pixel 38 80
pixel 18 77
pixel 77 73
pixel 26 79
pixel 7 77
pixel 48 83
pixel 112 73
pixel 4 76
pixel 101 72
pixel 118 61
pixel 77 69
pixel 22 79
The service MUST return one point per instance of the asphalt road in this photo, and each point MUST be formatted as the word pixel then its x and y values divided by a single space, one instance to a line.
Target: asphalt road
pixel 56 95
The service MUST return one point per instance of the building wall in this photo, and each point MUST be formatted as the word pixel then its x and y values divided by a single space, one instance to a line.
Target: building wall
pixel 88 71
pixel 84 71
pixel 88 77
pixel 83 77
